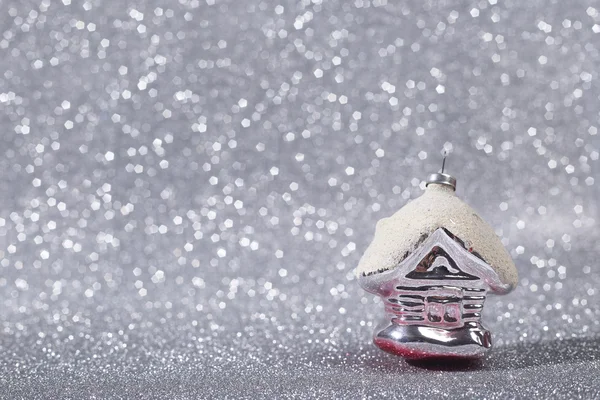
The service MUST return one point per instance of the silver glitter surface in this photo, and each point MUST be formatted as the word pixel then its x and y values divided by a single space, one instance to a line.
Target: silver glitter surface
pixel 187 186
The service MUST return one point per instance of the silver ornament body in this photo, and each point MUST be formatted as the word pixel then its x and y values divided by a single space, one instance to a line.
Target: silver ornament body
pixel 434 263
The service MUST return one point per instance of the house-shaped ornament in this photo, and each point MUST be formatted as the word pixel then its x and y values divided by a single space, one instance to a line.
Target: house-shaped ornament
pixel 433 264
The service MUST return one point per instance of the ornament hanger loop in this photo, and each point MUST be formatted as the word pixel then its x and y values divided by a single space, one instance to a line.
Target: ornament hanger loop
pixel 441 178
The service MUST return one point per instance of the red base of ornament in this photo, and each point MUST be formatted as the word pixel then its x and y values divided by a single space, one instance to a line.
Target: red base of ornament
pixel 415 342
pixel 418 355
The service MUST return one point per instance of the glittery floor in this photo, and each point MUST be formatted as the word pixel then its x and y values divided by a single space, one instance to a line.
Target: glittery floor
pixel 187 185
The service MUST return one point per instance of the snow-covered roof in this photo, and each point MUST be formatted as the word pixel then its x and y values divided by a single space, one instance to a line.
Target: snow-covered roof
pixel 398 236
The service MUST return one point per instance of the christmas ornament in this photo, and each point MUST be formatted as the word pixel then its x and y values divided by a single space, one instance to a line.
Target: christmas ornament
pixel 433 264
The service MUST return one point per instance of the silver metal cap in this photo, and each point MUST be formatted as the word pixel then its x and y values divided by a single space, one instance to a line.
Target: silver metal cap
pixel 442 179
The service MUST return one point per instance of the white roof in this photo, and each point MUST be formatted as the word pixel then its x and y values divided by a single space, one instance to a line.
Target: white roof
pixel 467 262
pixel 404 232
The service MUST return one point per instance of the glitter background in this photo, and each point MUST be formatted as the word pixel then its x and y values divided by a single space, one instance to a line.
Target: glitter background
pixel 187 186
